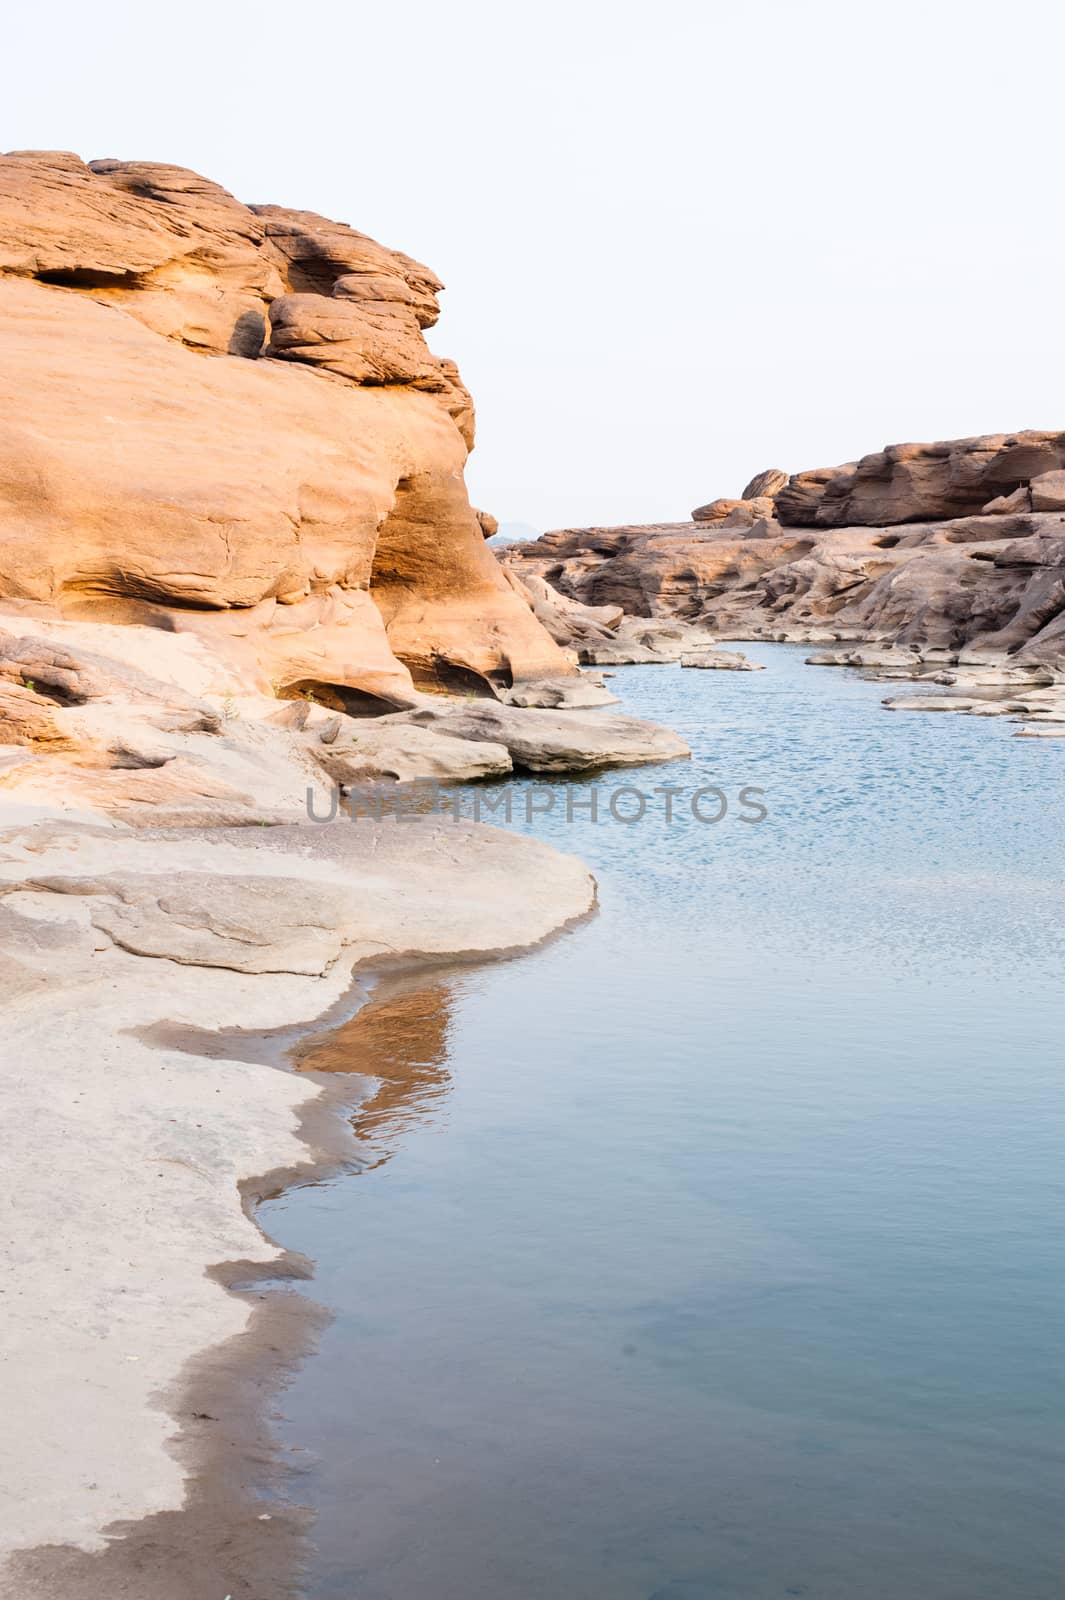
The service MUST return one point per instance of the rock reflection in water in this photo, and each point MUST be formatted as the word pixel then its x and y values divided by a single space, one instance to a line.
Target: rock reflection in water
pixel 400 1038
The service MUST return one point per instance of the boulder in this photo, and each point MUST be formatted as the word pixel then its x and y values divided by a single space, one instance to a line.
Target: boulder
pixel 550 741
pixel 1047 491
pixel 920 482
pixel 746 513
pixel 766 484
pixel 582 692
pixel 367 750
pixel 988 584
pixel 1004 505
pixel 716 510
pixel 719 661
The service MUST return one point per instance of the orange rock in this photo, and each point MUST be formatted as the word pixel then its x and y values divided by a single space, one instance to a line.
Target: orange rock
pixel 299 503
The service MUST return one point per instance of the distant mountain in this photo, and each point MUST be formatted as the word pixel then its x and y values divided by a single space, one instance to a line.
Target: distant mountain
pixel 516 533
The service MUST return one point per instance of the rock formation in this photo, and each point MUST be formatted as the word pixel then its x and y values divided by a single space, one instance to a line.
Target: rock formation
pixel 236 552
pixel 548 741
pixel 928 482
pixel 121 953
pixel 604 636
pixel 956 549
pixel 231 472
pixel 225 420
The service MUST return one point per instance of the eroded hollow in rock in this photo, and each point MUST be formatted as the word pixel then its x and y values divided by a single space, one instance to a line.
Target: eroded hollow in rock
pixel 61 690
pixel 88 278
pixel 339 697
pixel 440 676
pixel 314 274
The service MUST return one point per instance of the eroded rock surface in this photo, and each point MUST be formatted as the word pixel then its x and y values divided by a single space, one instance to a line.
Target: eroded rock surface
pixel 364 751
pixel 549 741
pixel 920 482
pixel 234 532
pixel 953 550
pixel 949 553
pixel 601 635
pixel 718 661
pixel 225 420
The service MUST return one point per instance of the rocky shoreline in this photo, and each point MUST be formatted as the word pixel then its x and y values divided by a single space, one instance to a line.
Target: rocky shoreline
pixel 115 1291
pixel 239 573
pixel 924 562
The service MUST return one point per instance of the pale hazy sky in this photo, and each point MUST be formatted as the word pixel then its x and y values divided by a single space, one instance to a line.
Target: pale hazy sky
pixel 682 241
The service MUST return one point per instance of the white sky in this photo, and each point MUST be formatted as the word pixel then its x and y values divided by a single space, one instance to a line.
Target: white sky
pixel 682 241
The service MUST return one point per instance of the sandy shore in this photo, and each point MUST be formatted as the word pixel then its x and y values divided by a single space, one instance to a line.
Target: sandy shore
pixel 135 1385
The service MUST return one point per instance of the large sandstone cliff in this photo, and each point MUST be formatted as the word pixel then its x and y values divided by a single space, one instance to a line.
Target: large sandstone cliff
pixel 225 420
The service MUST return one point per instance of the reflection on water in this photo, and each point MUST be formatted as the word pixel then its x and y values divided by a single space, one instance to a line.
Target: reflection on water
pixel 713 1252
pixel 399 1038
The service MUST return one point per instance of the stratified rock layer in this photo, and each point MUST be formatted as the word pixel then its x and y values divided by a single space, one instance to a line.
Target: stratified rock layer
pixel 226 420
pixel 920 482
pixel 957 548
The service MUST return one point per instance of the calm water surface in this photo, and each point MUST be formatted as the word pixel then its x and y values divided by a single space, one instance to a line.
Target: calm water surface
pixel 713 1252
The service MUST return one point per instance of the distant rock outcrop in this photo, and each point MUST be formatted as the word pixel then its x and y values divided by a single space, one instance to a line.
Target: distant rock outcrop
pixel 955 548
pixel 757 500
pixel 922 482
pixel 225 419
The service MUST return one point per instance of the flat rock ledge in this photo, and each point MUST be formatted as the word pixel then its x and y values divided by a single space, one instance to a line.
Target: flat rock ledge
pixel 126 1193
pixel 995 686
pixel 551 741
pixel 155 729
pixel 719 661
pixel 950 552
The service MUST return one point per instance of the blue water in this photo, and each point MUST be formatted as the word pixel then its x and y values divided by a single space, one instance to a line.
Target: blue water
pixel 714 1250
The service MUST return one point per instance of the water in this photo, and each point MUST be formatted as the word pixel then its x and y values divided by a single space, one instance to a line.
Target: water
pixel 714 1250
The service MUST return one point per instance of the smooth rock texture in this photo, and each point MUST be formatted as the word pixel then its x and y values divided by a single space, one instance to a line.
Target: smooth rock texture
pixel 718 661
pixel 234 530
pixel 127 1191
pixel 225 420
pixel 366 750
pixel 548 741
pixel 580 693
